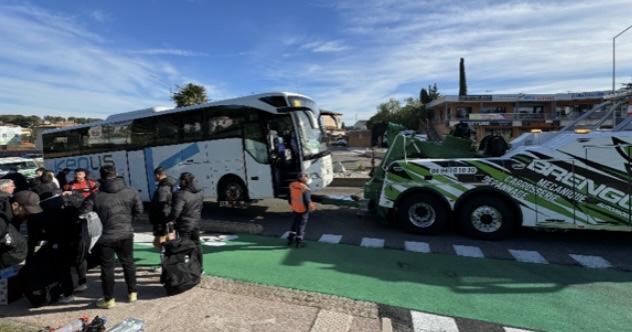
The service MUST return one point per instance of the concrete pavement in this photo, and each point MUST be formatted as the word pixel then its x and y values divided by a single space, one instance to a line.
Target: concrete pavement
pixel 216 305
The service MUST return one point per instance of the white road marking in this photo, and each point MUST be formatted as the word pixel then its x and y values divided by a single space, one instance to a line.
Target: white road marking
pixel 423 322
pixel 468 251
pixel 330 238
pixel 512 329
pixel 143 238
pixel 372 243
pixel 285 235
pixel 528 256
pixel 417 246
pixel 593 262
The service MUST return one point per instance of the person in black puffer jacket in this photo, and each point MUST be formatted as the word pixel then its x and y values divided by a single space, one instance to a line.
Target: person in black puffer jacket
pixel 46 188
pixel 187 210
pixel 117 206
pixel 161 202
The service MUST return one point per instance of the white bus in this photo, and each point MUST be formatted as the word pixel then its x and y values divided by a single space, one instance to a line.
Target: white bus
pixel 233 147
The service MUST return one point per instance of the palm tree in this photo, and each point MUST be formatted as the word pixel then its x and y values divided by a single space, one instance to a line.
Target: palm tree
pixel 190 94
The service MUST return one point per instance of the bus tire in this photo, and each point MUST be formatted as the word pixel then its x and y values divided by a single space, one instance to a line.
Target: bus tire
pixel 487 217
pixel 422 213
pixel 231 189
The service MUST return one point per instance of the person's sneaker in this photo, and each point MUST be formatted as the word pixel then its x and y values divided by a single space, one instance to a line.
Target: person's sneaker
pixel 66 299
pixel 132 297
pixel 81 288
pixel 103 304
pixel 290 239
pixel 300 244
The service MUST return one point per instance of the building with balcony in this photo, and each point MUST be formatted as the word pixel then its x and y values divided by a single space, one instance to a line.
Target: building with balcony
pixel 510 115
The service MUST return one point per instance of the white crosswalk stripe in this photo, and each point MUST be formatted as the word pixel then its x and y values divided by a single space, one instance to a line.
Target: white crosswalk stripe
pixel 372 242
pixel 417 246
pixel 330 238
pixel 468 251
pixel 593 262
pixel 423 322
pixel 528 256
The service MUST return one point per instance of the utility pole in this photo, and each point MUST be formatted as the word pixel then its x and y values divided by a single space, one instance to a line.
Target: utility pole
pixel 613 55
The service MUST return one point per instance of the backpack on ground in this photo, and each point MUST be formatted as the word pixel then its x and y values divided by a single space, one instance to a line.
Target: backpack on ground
pixel 181 268
pixel 40 275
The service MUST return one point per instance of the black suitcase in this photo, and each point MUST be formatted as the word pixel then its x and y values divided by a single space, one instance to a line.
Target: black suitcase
pixel 181 268
pixel 40 276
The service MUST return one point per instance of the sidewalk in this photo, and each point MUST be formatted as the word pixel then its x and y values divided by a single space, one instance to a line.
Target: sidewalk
pixel 216 305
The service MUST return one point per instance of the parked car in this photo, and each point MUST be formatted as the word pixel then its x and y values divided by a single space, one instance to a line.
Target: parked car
pixel 340 142
pixel 24 166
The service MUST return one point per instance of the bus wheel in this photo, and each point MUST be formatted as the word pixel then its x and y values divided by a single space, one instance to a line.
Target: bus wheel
pixel 486 217
pixel 422 213
pixel 231 189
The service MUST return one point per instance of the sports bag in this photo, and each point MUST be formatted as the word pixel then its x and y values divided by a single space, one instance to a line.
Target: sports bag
pixel 181 268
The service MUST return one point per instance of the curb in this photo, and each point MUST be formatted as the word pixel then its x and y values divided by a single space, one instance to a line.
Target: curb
pixel 222 226
pixel 349 182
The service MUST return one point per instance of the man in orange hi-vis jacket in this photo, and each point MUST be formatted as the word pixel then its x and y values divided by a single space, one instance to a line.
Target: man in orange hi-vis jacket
pixel 301 203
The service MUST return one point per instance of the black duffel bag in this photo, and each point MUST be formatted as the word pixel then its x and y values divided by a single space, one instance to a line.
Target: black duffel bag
pixel 40 276
pixel 181 268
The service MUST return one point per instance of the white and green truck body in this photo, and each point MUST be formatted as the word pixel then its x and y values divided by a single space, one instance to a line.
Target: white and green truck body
pixel 577 178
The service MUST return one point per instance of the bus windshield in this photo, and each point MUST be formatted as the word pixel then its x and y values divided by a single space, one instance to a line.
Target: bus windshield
pixel 312 137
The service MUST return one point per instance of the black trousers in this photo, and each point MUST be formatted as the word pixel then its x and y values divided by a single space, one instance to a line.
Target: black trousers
pixel 194 235
pixel 299 225
pixel 82 270
pixel 124 250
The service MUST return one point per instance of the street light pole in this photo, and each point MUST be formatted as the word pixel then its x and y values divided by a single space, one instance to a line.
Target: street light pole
pixel 613 54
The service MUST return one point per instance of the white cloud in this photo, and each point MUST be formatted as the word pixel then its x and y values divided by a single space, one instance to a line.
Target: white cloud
pixel 167 51
pixel 508 46
pixel 51 65
pixel 100 16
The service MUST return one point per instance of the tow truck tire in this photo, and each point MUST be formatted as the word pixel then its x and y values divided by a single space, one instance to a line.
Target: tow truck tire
pixel 486 217
pixel 422 213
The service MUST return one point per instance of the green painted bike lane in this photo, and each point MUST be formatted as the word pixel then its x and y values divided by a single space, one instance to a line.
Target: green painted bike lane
pixel 533 296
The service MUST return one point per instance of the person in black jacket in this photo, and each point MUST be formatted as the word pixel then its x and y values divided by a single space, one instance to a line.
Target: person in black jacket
pixel 117 206
pixel 187 210
pixel 20 181
pixel 46 187
pixel 161 202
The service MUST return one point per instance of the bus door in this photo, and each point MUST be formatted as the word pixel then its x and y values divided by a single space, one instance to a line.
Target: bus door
pixel 284 155
pixel 138 173
pixel 257 162
pixel 608 185
pixel 555 198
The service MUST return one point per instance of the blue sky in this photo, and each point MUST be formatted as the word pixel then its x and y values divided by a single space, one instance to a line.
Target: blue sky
pixel 95 58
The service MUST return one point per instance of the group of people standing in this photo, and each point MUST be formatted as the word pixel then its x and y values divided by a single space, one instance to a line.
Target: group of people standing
pixel 53 213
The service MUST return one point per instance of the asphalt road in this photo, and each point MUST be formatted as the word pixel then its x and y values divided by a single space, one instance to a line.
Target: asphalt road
pixel 595 249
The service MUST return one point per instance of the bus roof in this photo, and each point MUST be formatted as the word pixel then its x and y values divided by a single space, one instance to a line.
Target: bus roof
pixel 251 100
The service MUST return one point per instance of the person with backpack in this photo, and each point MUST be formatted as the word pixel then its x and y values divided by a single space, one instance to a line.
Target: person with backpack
pixel 13 246
pixel 117 205
pixel 301 204
pixel 161 202
pixel 187 210
pixel 81 184
pixel 54 233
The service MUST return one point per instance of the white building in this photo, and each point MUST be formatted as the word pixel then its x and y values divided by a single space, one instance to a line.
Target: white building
pixel 10 135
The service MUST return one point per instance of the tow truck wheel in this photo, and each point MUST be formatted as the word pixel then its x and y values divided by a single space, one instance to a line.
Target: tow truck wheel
pixel 486 217
pixel 422 213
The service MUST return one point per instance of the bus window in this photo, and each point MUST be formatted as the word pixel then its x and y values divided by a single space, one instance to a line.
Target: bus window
pixel 143 132
pixel 192 126
pixel 167 128
pixel 223 123
pixel 255 142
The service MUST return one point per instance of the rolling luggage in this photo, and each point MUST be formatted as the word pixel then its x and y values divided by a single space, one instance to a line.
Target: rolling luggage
pixel 181 268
